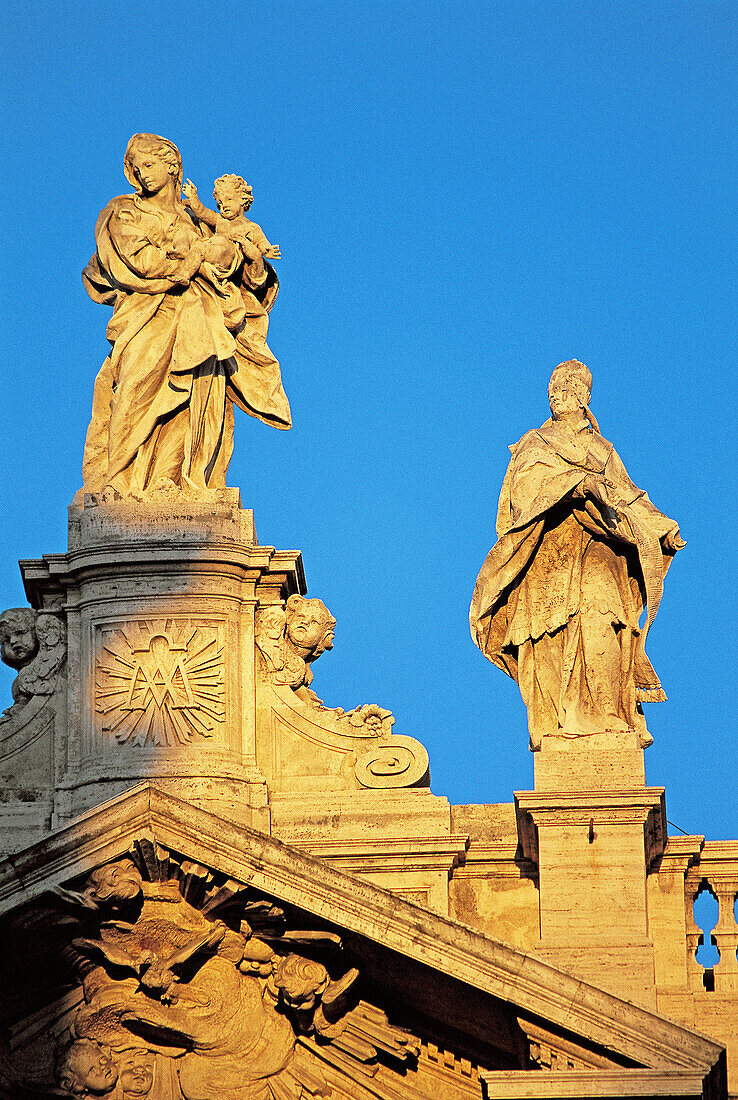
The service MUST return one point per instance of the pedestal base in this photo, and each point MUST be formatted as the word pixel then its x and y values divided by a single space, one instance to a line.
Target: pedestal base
pixel 602 761
pixel 593 849
pixel 159 598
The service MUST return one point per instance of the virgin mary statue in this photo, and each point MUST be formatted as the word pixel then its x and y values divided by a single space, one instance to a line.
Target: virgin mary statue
pixel 187 335
pixel 581 552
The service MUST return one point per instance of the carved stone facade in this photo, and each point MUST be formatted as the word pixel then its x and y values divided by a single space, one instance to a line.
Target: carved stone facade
pixel 190 658
pixel 213 997
pixel 191 654
pixel 216 885
pixel 247 971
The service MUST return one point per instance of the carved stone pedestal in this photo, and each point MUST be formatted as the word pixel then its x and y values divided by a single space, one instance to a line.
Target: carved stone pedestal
pixel 594 829
pixel 603 761
pixel 159 598
pixel 172 648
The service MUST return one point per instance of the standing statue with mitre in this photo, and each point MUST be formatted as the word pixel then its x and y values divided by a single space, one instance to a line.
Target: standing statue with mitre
pixel 581 552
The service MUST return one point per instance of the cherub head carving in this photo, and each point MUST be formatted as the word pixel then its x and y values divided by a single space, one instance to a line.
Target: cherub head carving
pixel 34 642
pixel 115 882
pixel 136 1069
pixel 300 980
pixel 233 195
pixel 86 1068
pixel 309 627
pixel 18 639
pixel 50 631
pixel 290 639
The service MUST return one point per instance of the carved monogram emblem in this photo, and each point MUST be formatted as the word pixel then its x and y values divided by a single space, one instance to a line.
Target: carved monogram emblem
pixel 160 683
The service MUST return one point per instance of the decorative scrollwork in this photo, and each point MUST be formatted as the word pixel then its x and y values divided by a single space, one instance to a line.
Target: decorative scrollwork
pixel 396 762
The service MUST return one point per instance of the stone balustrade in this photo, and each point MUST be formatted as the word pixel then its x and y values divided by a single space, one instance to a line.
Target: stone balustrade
pixel 717 871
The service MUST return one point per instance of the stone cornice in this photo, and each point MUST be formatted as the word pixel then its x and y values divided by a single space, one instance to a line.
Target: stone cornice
pixel 388 853
pixel 588 1084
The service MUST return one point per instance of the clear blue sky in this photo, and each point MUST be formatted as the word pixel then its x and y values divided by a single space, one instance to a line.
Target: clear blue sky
pixel 464 194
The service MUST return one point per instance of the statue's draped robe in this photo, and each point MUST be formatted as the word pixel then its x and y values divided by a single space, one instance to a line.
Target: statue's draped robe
pixel 558 600
pixel 180 357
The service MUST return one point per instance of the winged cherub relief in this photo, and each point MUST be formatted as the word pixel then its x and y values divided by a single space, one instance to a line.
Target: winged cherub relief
pixel 290 639
pixel 34 643
pixel 210 1003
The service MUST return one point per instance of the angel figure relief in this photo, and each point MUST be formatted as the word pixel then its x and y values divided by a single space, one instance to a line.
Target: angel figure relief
pixel 218 1003
pixel 33 643
pixel 191 300
pixel 289 640
pixel 581 553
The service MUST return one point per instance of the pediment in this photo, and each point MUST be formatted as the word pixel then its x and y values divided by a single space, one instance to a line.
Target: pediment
pixel 232 966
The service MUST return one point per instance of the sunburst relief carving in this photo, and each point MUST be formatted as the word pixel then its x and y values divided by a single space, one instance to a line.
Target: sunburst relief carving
pixel 160 682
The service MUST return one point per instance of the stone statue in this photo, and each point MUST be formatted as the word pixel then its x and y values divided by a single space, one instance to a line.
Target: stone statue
pixel 234 197
pixel 581 552
pixel 188 332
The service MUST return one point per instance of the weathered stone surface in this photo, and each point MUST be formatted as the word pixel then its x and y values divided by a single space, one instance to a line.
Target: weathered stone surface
pixel 267 916
pixel 580 552
pixel 191 294
pixel 190 655
pixel 171 933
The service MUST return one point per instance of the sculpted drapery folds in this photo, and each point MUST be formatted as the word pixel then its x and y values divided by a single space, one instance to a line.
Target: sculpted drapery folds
pixel 581 552
pixel 178 1004
pixel 188 336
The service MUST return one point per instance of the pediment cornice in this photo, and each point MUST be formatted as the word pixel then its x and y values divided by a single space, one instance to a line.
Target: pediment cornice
pixel 533 988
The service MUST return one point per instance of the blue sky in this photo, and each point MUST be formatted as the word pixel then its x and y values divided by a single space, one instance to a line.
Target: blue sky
pixel 464 194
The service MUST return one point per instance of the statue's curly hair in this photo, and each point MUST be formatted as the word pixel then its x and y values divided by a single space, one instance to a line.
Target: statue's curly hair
pixel 235 181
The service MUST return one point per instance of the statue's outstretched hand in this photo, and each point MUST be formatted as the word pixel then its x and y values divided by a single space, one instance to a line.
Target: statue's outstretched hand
pixel 274 252
pixel 189 191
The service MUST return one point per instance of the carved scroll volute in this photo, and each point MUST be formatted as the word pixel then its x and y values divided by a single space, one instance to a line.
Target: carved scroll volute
pixel 396 762
pixel 289 639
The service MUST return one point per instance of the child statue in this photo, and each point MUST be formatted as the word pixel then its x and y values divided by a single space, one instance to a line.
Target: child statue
pixel 234 196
